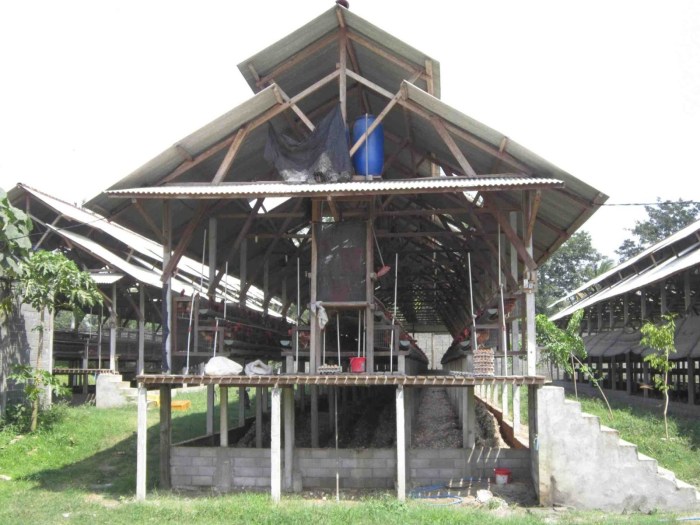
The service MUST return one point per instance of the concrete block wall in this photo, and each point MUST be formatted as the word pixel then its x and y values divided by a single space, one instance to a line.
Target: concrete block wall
pixel 361 468
pixel 18 346
pixel 219 468
pixel 224 469
pixel 583 464
pixel 431 466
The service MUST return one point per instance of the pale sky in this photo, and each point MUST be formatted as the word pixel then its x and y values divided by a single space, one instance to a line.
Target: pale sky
pixel 608 90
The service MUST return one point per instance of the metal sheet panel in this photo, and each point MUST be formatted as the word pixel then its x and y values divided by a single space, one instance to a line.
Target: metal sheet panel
pixel 284 189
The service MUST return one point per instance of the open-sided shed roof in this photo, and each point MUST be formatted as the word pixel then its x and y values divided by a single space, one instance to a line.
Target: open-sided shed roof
pixel 301 78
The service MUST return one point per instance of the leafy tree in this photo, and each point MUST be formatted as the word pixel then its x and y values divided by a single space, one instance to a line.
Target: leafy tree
pixel 565 348
pixel 661 340
pixel 574 263
pixel 664 218
pixel 14 248
pixel 51 281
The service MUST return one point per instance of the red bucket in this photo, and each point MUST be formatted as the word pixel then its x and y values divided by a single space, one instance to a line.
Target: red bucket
pixel 503 475
pixel 357 364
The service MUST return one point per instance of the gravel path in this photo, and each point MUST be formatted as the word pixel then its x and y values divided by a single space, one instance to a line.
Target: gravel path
pixel 437 423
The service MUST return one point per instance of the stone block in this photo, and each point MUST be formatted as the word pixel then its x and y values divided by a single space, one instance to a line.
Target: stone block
pixel 180 461
pixel 204 471
pixel 200 461
pixel 202 481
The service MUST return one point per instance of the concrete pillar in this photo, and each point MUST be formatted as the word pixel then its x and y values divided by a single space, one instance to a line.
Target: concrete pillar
pixel 142 329
pixel 314 416
pixel 258 417
pixel 223 416
pixel 275 445
pixel 628 372
pixel 241 406
pixel 504 401
pixel 691 381
pixel 288 438
pixel 469 419
pixel 409 393
pixel 141 436
pixel 210 410
pixel 645 377
pixel 167 356
pixel 113 322
pixel 331 406
pixel 165 435
pixel 516 409
pixel 400 445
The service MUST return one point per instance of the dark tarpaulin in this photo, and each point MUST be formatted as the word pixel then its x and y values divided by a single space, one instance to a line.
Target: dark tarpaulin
pixel 321 157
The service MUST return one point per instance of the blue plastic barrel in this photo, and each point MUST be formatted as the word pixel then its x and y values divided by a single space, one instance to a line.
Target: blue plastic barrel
pixel 369 158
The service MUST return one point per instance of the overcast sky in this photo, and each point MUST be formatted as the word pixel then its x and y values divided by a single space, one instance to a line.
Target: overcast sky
pixel 608 90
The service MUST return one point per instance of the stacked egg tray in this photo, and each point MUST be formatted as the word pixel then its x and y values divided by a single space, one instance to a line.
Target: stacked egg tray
pixel 483 362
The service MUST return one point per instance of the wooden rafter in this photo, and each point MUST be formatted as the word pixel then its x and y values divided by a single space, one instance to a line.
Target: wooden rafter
pixel 535 200
pixel 230 156
pixel 418 72
pixel 293 61
pixel 513 238
pixel 147 219
pixel 441 129
pixel 377 121
pixel 234 247
pixel 202 211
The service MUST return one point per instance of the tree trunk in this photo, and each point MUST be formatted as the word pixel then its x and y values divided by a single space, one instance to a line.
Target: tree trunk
pixel 666 404
pixel 573 376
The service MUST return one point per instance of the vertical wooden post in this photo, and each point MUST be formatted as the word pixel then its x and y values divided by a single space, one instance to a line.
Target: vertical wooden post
pixel 223 415
pixel 210 410
pixel 369 289
pixel 241 406
pixel 141 431
pixel 288 438
pixel 275 446
pixel 663 297
pixel 400 445
pixel 165 435
pixel 258 417
pixel 167 363
pixel 686 290
pixel 516 409
pixel 265 404
pixel 314 335
pixel 243 271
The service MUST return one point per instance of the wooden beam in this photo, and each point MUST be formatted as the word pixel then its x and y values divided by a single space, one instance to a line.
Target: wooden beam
pixel 226 164
pixel 292 62
pixel 439 126
pixel 302 116
pixel 376 122
pixel 514 239
pixel 185 240
pixel 147 219
pixel 532 219
pixel 386 55
pixel 343 78
pixel 234 247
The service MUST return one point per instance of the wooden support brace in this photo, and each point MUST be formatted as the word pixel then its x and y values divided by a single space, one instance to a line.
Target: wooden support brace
pixel 452 145
pixel 226 164
pixel 185 240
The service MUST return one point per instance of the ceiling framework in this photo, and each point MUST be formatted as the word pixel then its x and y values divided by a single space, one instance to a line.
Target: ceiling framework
pixel 437 229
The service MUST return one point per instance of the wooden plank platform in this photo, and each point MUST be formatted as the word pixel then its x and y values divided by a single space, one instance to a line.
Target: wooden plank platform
pixel 379 379
pixel 77 371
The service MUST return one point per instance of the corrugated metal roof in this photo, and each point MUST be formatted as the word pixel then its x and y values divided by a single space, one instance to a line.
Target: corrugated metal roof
pixel 286 189
pixel 290 46
pixel 106 278
pixel 690 230
pixel 142 275
pixel 636 282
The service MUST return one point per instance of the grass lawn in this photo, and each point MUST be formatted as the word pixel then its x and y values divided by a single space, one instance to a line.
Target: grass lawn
pixel 80 467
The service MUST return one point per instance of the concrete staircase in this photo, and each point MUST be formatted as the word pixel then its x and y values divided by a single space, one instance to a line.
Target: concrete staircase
pixel 111 391
pixel 584 464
